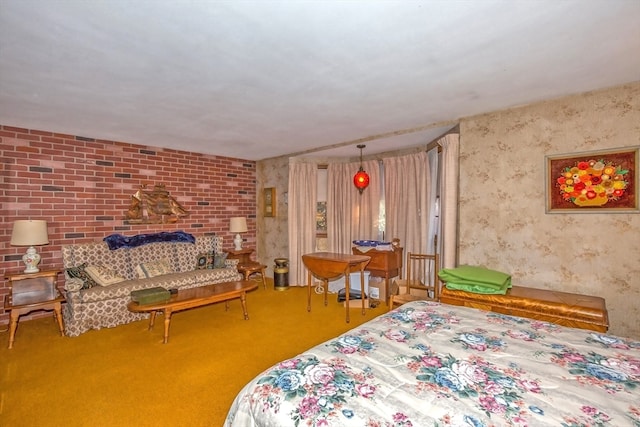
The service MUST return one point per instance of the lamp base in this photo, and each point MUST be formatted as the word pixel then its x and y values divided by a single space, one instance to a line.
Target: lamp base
pixel 237 241
pixel 31 260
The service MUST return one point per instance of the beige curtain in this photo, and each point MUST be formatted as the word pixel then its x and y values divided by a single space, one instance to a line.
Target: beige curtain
pixel 303 189
pixel 351 215
pixel 449 199
pixel 407 191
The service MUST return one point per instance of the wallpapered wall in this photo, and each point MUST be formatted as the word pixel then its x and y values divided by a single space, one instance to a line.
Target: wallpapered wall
pixel 503 224
pixel 272 231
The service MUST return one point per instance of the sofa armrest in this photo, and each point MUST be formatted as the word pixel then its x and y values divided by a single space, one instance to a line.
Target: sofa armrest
pixel 72 284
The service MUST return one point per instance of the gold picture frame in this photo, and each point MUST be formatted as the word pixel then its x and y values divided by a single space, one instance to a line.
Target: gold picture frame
pixel 603 181
pixel 269 202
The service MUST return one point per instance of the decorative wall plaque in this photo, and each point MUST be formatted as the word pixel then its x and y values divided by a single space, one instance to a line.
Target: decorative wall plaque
pixel 155 206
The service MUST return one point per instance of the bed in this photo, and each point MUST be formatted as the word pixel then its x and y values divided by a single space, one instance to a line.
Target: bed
pixel 430 364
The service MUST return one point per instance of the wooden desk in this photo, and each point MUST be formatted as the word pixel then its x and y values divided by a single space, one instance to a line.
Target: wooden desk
pixel 329 265
pixel 30 292
pixel 385 264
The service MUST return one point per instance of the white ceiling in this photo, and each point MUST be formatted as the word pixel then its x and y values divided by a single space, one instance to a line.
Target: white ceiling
pixel 260 79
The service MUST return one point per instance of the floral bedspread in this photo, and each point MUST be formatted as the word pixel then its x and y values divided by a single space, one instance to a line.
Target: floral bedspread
pixel 427 364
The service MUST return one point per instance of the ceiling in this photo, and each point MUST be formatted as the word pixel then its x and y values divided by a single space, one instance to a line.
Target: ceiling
pixel 261 79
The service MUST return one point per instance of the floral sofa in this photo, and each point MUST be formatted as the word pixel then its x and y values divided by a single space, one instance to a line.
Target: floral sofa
pixel 105 305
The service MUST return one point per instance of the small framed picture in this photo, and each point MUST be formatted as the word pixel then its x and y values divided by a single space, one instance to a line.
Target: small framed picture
pixel 269 202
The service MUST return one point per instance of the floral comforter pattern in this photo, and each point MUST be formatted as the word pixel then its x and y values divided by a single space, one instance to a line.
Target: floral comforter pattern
pixel 427 364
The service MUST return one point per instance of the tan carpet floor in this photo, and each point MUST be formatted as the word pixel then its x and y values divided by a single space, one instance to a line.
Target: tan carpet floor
pixel 125 376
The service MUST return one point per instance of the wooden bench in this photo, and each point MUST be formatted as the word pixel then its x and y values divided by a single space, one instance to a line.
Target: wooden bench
pixel 562 308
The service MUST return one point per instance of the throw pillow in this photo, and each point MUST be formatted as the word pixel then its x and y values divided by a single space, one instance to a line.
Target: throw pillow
pixel 79 273
pixel 153 268
pixel 219 259
pixel 203 261
pixel 103 276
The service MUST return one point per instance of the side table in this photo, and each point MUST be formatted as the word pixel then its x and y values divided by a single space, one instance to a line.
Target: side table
pixel 252 268
pixel 30 292
pixel 243 255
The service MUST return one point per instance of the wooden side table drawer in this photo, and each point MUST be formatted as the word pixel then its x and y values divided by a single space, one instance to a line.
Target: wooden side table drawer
pixel 562 308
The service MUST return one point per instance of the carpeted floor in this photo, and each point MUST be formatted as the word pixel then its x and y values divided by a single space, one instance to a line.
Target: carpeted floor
pixel 125 376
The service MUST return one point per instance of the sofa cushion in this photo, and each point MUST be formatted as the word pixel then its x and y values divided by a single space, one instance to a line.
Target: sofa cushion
pixel 79 272
pixel 153 252
pixel 98 253
pixel 153 268
pixel 219 260
pixel 203 261
pixel 103 276
pixel 189 279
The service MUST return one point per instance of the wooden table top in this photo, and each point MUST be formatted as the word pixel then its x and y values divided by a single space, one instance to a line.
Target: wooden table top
pixel 202 295
pixel 338 257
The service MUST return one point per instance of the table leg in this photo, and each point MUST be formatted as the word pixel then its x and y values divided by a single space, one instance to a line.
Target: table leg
pixel 346 291
pixel 243 300
pixel 13 325
pixel 326 291
pixel 57 314
pixel 167 322
pixel 309 290
pixel 386 289
pixel 264 278
pixel 362 288
pixel 152 319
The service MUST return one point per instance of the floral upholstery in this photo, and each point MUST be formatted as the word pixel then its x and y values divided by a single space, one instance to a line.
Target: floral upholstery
pixel 106 306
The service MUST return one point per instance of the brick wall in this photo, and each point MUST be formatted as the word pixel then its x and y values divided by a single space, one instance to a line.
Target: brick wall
pixel 83 186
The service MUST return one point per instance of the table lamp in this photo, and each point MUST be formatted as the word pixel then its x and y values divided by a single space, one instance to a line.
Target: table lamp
pixel 27 232
pixel 238 225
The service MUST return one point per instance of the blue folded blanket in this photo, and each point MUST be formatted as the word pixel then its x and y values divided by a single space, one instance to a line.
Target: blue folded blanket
pixel 476 279
pixel 116 241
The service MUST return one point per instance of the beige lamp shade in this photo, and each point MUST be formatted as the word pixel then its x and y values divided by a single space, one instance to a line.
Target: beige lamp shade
pixel 238 224
pixel 27 232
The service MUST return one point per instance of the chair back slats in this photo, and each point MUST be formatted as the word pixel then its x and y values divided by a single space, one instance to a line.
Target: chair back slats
pixel 421 281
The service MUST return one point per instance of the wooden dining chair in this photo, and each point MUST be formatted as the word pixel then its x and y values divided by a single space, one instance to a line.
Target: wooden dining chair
pixel 421 282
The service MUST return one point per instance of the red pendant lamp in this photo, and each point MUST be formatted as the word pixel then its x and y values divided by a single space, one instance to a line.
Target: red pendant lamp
pixel 361 178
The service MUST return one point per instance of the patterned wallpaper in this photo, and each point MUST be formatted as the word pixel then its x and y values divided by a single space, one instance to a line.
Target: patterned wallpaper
pixel 272 231
pixel 503 224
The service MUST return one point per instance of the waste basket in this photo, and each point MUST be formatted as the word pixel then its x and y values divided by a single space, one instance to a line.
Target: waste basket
pixel 281 274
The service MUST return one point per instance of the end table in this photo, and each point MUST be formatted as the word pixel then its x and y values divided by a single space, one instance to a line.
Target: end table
pixel 251 268
pixel 30 292
pixel 243 255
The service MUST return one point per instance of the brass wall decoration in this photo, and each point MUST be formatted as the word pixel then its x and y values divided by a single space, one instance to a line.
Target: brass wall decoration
pixel 153 206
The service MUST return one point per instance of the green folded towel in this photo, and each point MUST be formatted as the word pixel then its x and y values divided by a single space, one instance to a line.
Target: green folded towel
pixel 476 279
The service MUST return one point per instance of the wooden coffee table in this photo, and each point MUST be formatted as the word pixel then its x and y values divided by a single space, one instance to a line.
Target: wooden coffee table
pixel 195 297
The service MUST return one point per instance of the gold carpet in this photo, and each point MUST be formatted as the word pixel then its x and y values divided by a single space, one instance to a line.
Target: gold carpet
pixel 125 376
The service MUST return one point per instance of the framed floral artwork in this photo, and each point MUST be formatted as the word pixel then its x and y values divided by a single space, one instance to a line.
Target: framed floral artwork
pixel 594 182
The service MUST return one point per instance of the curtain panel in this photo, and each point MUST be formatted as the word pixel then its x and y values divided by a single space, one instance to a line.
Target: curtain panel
pixel 303 190
pixel 449 199
pixel 407 196
pixel 351 215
